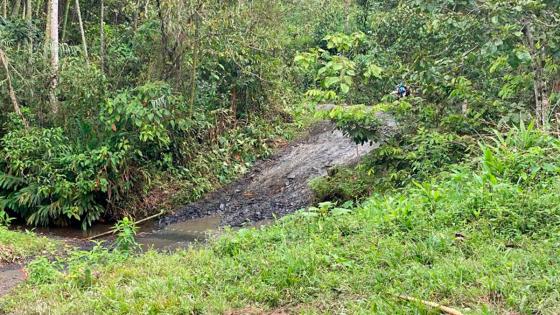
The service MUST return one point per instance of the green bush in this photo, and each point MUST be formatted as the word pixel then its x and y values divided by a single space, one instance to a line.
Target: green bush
pixel 44 180
pixel 54 176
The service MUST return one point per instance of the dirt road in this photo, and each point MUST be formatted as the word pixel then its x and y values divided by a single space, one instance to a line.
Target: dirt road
pixel 278 185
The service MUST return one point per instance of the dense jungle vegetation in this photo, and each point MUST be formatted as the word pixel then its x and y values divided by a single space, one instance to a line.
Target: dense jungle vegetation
pixel 110 105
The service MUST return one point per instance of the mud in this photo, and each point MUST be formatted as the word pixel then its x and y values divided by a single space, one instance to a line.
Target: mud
pixel 278 185
pixel 10 277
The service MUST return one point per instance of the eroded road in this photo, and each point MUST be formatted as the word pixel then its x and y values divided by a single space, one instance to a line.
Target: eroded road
pixel 278 185
pixel 273 188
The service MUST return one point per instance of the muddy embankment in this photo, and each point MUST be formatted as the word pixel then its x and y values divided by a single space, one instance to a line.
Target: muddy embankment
pixel 273 188
pixel 278 185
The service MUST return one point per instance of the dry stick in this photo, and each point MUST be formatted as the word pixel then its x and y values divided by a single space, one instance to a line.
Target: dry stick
pixel 443 309
pixel 11 92
pixel 113 231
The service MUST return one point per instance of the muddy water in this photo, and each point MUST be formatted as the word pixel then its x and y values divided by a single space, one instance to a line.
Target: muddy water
pixel 150 235
pixel 179 235
pixel 70 233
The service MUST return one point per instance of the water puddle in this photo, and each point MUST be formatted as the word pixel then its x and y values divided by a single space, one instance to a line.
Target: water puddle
pixel 173 236
pixel 180 235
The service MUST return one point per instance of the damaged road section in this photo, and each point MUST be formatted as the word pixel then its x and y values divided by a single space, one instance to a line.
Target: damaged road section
pixel 278 185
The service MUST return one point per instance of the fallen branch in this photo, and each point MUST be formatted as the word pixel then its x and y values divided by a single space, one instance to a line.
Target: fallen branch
pixel 113 231
pixel 11 92
pixel 443 309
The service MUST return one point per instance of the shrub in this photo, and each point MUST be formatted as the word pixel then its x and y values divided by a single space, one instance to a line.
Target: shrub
pixel 45 181
pixel 126 233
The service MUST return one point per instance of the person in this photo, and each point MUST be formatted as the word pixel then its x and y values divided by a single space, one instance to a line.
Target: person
pixel 402 90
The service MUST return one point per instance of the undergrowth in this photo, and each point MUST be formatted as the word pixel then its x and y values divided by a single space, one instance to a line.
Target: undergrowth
pixel 17 246
pixel 481 236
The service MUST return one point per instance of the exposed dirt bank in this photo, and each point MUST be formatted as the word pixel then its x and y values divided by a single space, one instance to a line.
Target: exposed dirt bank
pixel 278 185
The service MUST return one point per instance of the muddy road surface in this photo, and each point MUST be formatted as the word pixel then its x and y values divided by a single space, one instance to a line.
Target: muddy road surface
pixel 278 185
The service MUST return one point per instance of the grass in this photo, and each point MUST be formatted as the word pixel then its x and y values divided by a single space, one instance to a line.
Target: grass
pixel 482 238
pixel 16 246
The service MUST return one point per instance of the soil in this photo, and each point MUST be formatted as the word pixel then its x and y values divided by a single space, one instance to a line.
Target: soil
pixel 10 277
pixel 278 185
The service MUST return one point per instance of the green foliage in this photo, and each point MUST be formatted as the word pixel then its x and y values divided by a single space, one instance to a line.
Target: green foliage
pixel 346 183
pixel 42 271
pixel 5 219
pixel 44 180
pixel 126 233
pixel 145 119
pixel 170 97
pixel 325 209
pixel 332 72
pixel 396 163
pixel 481 246
pixel 360 123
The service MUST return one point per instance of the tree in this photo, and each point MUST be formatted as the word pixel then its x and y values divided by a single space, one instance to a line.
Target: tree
pixel 29 17
pixel 102 35
pixel 82 33
pixel 54 58
pixel 65 23
pixel 11 92
pixel 526 40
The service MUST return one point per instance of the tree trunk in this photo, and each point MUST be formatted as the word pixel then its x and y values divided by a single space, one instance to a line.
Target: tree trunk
pixel 347 16
pixel 5 9
pixel 48 25
pixel 82 33
pixel 53 39
pixel 233 105
pixel 102 36
pixel 11 92
pixel 146 9
pixel 168 52
pixel 136 15
pixel 542 104
pixel 65 24
pixel 15 11
pixel 194 69
pixel 28 18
